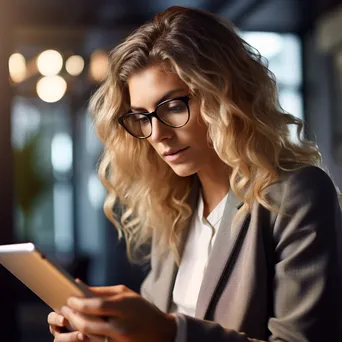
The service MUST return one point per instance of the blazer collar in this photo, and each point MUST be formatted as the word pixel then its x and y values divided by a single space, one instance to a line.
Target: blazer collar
pixel 223 253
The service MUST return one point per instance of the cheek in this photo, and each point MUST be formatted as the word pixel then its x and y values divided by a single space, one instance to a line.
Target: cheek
pixel 199 130
pixel 196 119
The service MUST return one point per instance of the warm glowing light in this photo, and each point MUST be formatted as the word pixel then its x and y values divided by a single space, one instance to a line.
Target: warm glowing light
pixel 74 65
pixel 50 63
pixel 17 67
pixel 51 89
pixel 98 65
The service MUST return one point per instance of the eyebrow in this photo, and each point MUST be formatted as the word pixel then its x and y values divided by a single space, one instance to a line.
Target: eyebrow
pixel 163 98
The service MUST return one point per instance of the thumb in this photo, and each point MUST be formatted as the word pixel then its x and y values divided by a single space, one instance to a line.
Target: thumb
pixel 101 291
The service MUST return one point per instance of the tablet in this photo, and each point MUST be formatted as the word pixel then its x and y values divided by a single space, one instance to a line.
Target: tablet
pixel 47 280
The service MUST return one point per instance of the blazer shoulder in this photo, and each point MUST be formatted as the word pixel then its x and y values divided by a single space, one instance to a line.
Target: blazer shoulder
pixel 310 178
pixel 308 183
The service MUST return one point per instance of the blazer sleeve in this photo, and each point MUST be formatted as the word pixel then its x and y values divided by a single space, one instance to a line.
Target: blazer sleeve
pixel 307 281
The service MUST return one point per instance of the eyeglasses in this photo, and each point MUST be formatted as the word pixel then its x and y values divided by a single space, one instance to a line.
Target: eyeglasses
pixel 173 113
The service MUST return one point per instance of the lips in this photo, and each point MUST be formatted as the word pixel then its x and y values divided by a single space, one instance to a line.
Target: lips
pixel 173 151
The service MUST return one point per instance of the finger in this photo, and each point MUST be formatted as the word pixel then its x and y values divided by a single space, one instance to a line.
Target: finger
pixel 104 291
pixel 96 338
pixel 79 281
pixel 56 319
pixel 89 325
pixel 70 337
pixel 97 306
pixel 53 330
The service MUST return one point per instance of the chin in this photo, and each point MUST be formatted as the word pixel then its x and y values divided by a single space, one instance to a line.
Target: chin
pixel 183 171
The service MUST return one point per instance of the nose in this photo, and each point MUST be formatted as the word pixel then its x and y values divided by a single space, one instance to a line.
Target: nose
pixel 160 131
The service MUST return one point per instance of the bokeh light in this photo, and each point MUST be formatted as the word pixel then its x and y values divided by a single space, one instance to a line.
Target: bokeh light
pixel 51 88
pixel 74 65
pixel 17 67
pixel 50 63
pixel 61 152
pixel 98 65
pixel 96 191
pixel 269 44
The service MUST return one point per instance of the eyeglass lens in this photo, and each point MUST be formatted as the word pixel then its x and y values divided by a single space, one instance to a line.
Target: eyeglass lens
pixel 174 113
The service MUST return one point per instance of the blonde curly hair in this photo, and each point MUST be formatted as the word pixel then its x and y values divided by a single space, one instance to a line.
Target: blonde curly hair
pixel 238 102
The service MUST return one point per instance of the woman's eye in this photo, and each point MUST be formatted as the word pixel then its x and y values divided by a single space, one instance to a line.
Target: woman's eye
pixel 176 109
pixel 143 121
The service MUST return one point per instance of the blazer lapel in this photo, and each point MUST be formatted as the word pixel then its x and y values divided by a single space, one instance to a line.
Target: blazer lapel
pixel 222 253
pixel 162 292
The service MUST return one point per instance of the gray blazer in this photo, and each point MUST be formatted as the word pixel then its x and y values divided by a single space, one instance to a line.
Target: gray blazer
pixel 270 277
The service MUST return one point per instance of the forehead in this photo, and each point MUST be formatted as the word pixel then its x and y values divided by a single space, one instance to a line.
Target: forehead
pixel 150 84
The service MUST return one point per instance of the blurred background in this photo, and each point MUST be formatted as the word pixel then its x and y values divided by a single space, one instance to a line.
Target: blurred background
pixel 53 54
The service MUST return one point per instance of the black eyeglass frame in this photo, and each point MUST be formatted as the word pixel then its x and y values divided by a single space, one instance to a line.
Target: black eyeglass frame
pixel 185 99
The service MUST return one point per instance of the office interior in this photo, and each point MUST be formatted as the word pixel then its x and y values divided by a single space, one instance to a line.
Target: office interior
pixel 53 55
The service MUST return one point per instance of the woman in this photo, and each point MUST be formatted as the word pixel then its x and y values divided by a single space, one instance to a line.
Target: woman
pixel 245 226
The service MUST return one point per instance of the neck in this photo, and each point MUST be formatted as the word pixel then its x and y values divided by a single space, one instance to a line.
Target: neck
pixel 214 180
